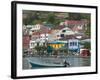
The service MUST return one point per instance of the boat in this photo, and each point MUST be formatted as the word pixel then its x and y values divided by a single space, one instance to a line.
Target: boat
pixel 47 62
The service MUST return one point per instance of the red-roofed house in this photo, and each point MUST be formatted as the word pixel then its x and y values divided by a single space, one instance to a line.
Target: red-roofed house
pixel 78 26
pixel 38 27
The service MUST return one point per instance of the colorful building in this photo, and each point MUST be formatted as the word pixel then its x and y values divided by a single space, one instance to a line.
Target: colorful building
pixel 73 45
pixel 56 45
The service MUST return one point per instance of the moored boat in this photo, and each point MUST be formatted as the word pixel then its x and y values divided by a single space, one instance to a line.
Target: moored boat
pixel 47 62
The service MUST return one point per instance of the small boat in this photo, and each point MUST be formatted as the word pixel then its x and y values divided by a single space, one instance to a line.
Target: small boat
pixel 47 62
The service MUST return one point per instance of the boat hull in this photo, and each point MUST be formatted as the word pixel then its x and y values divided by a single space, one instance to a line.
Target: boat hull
pixel 46 62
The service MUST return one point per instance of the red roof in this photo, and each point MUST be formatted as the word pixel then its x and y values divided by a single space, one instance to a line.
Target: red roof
pixel 36 33
pixel 59 27
pixel 71 22
pixel 76 29
pixel 42 32
pixel 44 28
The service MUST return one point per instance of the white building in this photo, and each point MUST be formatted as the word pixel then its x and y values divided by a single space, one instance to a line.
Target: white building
pixel 34 28
pixel 66 31
pixel 63 32
pixel 40 37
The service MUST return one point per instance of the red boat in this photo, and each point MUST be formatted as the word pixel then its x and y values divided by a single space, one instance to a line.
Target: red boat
pixel 85 52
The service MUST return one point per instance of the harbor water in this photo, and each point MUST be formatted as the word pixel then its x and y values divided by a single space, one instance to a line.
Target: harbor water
pixel 73 61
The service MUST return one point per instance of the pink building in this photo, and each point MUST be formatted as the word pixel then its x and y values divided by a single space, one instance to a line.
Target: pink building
pixel 26 40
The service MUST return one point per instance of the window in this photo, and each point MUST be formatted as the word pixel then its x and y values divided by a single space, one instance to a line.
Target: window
pixel 71 44
pixel 63 30
pixel 75 43
pixel 62 35
pixel 57 35
pixel 33 31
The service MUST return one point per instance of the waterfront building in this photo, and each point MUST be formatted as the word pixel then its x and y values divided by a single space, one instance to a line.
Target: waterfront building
pixel 73 45
pixel 40 37
pixel 56 45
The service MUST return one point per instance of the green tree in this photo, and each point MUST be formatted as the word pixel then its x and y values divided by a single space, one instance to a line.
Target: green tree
pixel 87 45
pixel 38 49
pixel 74 16
pixel 36 22
pixel 55 52
pixel 79 16
pixel 43 49
pixel 51 18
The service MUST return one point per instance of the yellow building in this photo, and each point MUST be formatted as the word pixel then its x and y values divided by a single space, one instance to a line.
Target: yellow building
pixel 56 45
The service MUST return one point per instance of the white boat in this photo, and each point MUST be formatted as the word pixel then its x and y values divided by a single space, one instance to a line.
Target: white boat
pixel 47 62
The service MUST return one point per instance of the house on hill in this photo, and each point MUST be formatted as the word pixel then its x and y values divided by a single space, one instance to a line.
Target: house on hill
pixel 78 26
